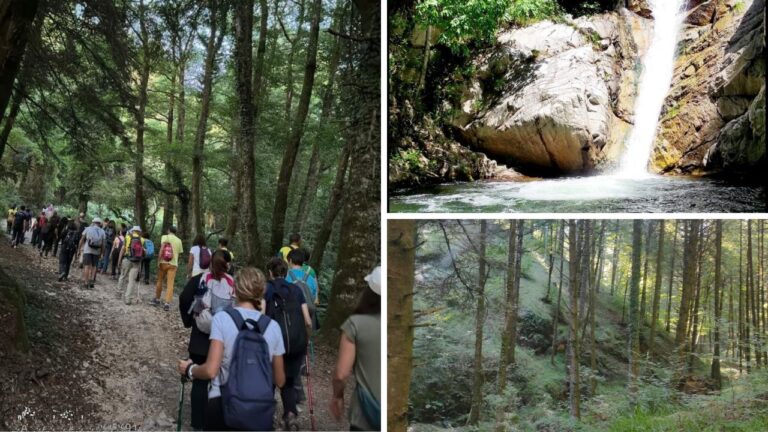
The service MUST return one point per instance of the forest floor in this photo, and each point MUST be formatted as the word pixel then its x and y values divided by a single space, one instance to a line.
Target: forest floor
pixel 98 364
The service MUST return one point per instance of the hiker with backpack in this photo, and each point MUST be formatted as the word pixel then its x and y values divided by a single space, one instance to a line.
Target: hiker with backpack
pixel 294 243
pixel 244 362
pixel 168 263
pixel 70 238
pixel 130 259
pixel 286 305
pixel 20 226
pixel 203 296
pixel 48 233
pixel 359 354
pixel 117 246
pixel 37 223
pixel 109 240
pixel 149 248
pixel 199 257
pixel 9 219
pixel 92 247
pixel 303 278
pixel 61 230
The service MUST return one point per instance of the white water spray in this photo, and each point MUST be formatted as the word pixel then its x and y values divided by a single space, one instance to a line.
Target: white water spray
pixel 656 78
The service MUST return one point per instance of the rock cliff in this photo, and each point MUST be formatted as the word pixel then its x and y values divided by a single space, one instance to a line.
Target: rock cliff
pixel 714 117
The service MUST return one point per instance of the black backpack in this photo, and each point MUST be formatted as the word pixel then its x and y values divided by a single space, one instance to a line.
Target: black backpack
pixel 71 240
pixel 285 309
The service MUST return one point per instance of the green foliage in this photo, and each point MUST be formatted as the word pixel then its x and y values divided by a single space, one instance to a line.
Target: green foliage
pixel 524 12
pixel 463 21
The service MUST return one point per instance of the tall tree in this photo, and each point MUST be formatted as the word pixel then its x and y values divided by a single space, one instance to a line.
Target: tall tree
pixel 509 335
pixel 401 256
pixel 574 352
pixel 715 371
pixel 673 254
pixel 477 375
pixel 615 253
pixel 243 24
pixel 297 130
pixel 635 320
pixel 690 255
pixel 556 311
pixel 218 17
pixel 361 213
pixel 656 289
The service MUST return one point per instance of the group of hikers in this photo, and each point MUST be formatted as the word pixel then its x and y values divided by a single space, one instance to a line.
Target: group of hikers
pixel 250 330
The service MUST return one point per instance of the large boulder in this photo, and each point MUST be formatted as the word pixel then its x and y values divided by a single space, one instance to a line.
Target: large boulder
pixel 555 98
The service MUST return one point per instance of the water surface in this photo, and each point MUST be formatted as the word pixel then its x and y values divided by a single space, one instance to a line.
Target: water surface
pixel 597 194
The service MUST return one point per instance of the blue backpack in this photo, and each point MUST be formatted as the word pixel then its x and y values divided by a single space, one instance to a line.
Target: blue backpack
pixel 149 247
pixel 248 396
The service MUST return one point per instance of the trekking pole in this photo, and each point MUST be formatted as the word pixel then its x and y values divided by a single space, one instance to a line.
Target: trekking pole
pixel 181 403
pixel 309 394
pixel 312 349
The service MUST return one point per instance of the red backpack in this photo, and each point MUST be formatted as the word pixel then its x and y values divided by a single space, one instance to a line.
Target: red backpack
pixel 135 249
pixel 166 252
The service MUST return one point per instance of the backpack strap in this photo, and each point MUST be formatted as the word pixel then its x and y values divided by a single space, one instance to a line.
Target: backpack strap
pixel 306 277
pixel 236 317
pixel 263 323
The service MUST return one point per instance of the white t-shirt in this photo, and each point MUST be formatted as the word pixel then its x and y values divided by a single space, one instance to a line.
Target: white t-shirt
pixel 224 329
pixel 195 252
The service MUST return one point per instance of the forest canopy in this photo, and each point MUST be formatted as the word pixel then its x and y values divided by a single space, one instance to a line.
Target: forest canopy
pixel 248 120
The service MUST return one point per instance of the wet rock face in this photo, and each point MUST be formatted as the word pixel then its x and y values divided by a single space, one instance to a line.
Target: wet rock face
pixel 712 122
pixel 553 98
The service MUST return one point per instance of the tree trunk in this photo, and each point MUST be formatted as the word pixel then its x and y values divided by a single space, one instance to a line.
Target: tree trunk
pixel 246 139
pixel 643 293
pixel 297 130
pixel 313 171
pixel 401 256
pixel 752 301
pixel 696 304
pixel 168 205
pixel 635 320
pixel 656 289
pixel 715 372
pixel 337 197
pixel 574 354
pixel 215 40
pixel 615 264
pixel 16 18
pixel 477 376
pixel 556 312
pixel 362 208
pixel 291 54
pixel 673 254
pixel 690 254
pixel 509 335
pixel 18 98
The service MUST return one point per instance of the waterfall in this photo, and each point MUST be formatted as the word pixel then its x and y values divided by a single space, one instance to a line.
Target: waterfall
pixel 655 81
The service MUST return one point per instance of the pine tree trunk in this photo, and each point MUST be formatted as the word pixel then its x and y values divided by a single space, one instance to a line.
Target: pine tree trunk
pixel 477 376
pixel 643 293
pixel 215 40
pixel 574 354
pixel 755 330
pixel 715 372
pixel 615 263
pixel 635 320
pixel 297 130
pixel 689 284
pixel 508 336
pixel 401 256
pixel 556 311
pixel 673 252
pixel 243 24
pixel 656 289
pixel 696 304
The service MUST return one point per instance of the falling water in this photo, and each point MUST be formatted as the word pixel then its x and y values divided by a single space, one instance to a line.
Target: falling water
pixel 655 81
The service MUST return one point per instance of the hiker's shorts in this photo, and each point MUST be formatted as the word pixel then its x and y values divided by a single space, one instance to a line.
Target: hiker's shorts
pixel 90 259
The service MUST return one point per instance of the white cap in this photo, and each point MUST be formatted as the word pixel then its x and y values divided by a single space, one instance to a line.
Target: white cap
pixel 96 220
pixel 374 280
pixel 136 228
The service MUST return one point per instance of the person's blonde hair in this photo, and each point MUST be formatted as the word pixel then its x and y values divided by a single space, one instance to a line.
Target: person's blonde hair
pixel 250 284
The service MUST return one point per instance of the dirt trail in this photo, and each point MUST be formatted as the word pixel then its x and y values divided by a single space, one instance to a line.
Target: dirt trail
pixel 100 364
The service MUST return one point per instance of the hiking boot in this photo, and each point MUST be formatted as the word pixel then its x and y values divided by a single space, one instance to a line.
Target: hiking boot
pixel 291 422
pixel 155 302
pixel 166 307
pixel 62 277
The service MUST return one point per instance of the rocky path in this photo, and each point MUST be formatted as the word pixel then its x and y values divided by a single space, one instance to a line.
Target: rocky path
pixel 99 364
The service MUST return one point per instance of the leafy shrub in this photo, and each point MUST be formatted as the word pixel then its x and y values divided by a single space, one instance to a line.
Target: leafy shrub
pixel 463 21
pixel 523 12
